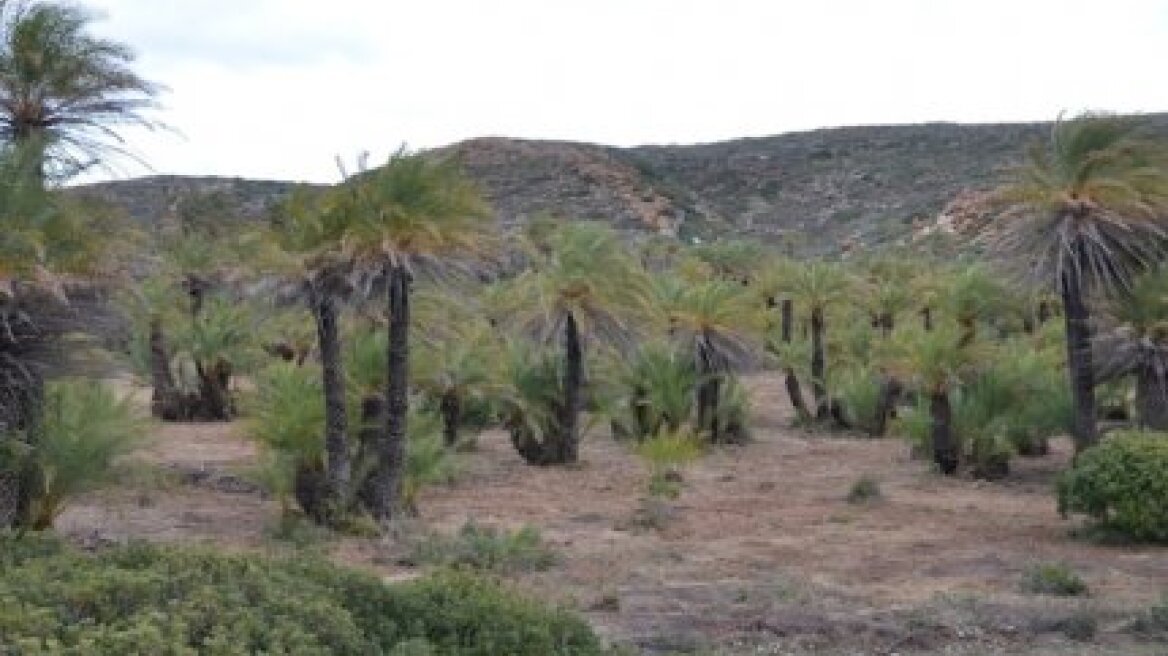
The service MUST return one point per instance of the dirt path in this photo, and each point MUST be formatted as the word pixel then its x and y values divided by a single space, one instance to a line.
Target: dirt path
pixel 761 544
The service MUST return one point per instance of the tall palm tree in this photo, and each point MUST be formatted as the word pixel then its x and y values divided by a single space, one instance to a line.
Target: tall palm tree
pixel 306 240
pixel 63 91
pixel 581 286
pixel 1088 212
pixel 412 216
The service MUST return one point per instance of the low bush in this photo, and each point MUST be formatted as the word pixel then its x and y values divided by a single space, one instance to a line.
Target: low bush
pixel 152 600
pixel 1053 579
pixel 485 548
pixel 666 453
pixel 1122 483
pixel 864 490
pixel 859 392
pixel 84 428
pixel 287 420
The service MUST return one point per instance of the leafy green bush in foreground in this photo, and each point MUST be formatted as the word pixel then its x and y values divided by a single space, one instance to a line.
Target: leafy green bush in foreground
pixel 1123 483
pixel 151 600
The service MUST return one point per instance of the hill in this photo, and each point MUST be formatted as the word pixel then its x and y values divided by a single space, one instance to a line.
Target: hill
pixel 815 191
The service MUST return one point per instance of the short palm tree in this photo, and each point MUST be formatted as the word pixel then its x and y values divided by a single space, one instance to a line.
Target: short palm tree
pixel 64 91
pixel 457 359
pixel 583 286
pixel 1136 344
pixel 819 286
pixel 774 285
pixel 721 326
pixel 936 361
pixel 1088 212
pixel 412 216
pixel 971 295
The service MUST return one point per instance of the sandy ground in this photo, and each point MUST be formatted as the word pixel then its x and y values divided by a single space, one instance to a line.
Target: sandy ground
pixel 760 554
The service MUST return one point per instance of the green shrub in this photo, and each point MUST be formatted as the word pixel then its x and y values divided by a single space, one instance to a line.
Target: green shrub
pixel 865 489
pixel 667 452
pixel 657 390
pixel 859 391
pixel 915 424
pixel 734 411
pixel 1122 483
pixel 152 600
pixel 485 548
pixel 1053 579
pixel 287 420
pixel 85 426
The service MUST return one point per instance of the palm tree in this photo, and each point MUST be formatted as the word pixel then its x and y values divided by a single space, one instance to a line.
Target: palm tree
pixel 721 326
pixel 63 91
pixel 458 358
pixel 413 215
pixel 1137 344
pixel 581 286
pixel 44 246
pixel 937 361
pixel 1088 212
pixel 307 237
pixel 775 285
pixel 972 295
pixel 819 286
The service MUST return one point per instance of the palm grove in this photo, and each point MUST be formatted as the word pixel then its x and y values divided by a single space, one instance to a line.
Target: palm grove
pixel 383 322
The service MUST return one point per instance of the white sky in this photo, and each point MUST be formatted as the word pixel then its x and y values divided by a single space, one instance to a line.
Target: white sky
pixel 277 88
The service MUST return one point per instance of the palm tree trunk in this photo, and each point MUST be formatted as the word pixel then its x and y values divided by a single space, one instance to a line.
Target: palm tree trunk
pixel 164 399
pixel 890 390
pixel 818 386
pixel 336 420
pixel 944 446
pixel 708 393
pixel 451 409
pixel 389 476
pixel 787 314
pixel 1152 398
pixel 573 381
pixel 794 391
pixel 1079 365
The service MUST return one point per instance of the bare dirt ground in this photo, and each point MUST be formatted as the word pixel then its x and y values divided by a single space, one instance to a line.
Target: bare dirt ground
pixel 760 554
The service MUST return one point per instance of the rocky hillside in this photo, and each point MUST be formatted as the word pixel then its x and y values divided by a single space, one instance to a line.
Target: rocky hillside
pixel 818 190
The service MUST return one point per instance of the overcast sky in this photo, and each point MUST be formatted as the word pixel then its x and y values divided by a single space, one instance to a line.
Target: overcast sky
pixel 277 88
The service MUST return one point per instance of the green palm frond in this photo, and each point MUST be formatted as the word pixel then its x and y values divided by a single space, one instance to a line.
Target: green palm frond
pixel 586 273
pixel 736 260
pixel 718 321
pixel 936 359
pixel 65 91
pixel 1138 337
pixel 1094 198
pixel 415 212
pixel 821 285
pixel 85 428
